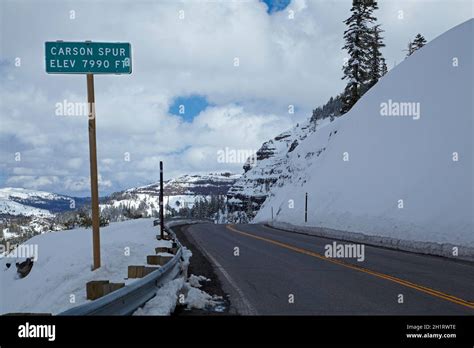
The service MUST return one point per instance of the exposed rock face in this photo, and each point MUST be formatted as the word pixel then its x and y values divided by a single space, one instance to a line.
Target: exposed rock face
pixel 268 167
pixel 24 268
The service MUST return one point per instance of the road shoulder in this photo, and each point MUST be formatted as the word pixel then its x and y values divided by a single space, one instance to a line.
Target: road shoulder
pixel 200 266
pixel 202 263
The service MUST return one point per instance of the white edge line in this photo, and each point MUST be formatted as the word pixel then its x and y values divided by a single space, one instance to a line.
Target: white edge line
pixel 248 309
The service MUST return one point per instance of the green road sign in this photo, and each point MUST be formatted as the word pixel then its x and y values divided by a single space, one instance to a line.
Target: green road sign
pixel 88 57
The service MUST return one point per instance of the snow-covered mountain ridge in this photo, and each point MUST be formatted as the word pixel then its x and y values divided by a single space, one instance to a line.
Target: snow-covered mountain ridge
pixel 178 192
pixel 20 201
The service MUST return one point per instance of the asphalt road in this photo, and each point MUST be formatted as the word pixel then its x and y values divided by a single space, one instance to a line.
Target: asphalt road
pixel 275 267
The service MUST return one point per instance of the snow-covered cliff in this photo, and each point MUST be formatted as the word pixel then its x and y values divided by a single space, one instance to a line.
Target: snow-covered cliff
pixel 400 163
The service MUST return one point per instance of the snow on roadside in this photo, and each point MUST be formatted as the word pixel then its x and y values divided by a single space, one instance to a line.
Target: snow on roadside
pixel 167 297
pixel 196 298
pixel 195 281
pixel 164 303
pixel 63 268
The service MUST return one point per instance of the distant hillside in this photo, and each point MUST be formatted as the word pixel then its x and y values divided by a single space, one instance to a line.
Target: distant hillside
pixel 24 202
pixel 179 193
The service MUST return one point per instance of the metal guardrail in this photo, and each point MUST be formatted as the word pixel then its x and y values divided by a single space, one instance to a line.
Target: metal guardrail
pixel 128 299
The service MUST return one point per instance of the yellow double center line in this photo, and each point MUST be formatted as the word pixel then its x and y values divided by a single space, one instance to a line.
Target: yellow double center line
pixel 403 282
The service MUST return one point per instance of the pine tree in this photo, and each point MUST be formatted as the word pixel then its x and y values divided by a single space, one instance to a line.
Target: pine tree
pixel 375 56
pixel 358 43
pixel 416 44
pixel 410 48
pixel 419 42
pixel 383 66
pixel 331 108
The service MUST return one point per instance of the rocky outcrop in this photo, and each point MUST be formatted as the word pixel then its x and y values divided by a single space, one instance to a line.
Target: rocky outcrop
pixel 264 170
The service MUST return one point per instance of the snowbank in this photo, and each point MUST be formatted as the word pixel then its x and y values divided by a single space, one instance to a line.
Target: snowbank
pixel 429 248
pixel 185 292
pixel 164 302
pixel 400 178
pixel 63 268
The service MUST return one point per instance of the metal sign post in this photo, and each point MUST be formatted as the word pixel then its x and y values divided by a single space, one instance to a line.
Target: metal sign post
pixel 90 58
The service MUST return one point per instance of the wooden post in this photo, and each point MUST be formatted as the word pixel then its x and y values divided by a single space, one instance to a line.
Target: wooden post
pixel 162 215
pixel 93 168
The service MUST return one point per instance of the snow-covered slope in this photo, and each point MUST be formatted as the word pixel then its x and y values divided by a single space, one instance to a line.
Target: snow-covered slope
pixel 14 208
pixel 63 265
pixel 400 178
pixel 20 201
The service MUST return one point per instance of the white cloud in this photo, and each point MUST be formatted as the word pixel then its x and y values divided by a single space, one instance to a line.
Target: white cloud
pixel 282 61
pixel 32 182
pixel 81 184
pixel 75 163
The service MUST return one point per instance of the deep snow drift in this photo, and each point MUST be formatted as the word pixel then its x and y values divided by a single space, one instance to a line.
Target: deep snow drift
pixel 394 160
pixel 64 265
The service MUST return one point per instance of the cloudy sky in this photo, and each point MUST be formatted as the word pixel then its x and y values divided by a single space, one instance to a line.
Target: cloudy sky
pixel 289 53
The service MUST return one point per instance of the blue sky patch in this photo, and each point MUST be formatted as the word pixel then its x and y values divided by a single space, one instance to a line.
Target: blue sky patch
pixel 276 5
pixel 188 107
